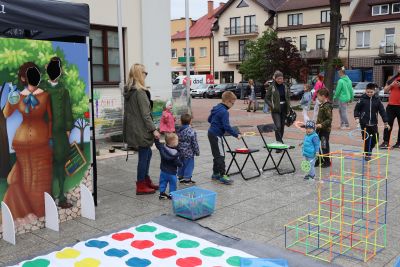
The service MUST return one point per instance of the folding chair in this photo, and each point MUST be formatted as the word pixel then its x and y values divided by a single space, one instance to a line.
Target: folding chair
pixel 268 128
pixel 245 151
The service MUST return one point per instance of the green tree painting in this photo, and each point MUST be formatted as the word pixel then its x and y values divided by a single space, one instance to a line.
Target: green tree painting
pixel 15 52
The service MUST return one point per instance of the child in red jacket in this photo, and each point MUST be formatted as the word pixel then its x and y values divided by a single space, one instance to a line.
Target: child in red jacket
pixel 167 122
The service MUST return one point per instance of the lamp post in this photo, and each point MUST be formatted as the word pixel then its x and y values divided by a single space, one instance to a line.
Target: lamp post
pixel 188 98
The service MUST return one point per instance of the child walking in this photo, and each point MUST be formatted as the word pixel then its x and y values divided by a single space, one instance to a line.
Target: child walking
pixel 310 148
pixel 366 116
pixel 170 161
pixel 219 124
pixel 252 96
pixel 167 121
pixel 188 147
pixel 305 102
pixel 324 125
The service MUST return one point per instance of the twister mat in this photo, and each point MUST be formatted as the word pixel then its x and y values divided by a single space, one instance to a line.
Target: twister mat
pixel 145 245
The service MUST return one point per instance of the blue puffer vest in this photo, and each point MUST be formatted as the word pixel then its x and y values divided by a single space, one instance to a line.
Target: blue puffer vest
pixel 308 146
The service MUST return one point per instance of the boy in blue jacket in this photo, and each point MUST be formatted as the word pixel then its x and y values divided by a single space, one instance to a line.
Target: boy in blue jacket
pixel 170 161
pixel 310 148
pixel 219 124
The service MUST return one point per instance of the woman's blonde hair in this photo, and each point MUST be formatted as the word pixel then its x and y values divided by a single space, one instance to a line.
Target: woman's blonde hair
pixel 136 77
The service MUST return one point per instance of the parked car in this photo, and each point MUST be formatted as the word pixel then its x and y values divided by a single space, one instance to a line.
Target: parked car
pixel 297 91
pixel 201 90
pixel 218 90
pixel 259 87
pixel 179 90
pixel 383 96
pixel 359 89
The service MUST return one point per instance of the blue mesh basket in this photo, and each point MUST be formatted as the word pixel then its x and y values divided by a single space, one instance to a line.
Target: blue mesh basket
pixel 256 262
pixel 397 263
pixel 193 202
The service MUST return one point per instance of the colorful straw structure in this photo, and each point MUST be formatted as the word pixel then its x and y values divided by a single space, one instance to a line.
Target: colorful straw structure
pixel 351 216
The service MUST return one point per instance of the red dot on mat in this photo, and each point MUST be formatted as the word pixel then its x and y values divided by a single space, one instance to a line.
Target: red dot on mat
pixel 142 244
pixel 122 236
pixel 164 253
pixel 188 262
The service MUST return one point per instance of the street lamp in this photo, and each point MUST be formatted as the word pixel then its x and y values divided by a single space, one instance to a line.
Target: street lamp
pixel 342 38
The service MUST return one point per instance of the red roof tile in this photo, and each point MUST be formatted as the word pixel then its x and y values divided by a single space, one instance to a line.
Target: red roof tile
pixel 200 28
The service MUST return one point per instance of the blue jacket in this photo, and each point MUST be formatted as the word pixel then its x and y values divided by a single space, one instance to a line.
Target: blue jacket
pixel 219 120
pixel 188 146
pixel 310 145
pixel 170 160
pixel 305 101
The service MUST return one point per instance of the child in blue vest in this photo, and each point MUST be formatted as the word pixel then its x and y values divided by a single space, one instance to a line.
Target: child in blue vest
pixel 310 148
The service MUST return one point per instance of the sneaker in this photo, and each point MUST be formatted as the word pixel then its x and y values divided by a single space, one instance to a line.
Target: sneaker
pixel 187 182
pixel 226 180
pixel 326 165
pixel 164 195
pixel 367 158
pixel 307 177
pixel 215 177
pixel 397 145
pixel 180 178
pixel 384 145
pixel 278 151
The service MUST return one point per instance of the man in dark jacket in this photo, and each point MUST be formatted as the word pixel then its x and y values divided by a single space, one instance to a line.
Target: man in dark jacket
pixel 324 126
pixel 366 116
pixel 219 124
pixel 278 100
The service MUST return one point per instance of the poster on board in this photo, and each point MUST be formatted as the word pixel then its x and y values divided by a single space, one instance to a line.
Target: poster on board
pixel 44 124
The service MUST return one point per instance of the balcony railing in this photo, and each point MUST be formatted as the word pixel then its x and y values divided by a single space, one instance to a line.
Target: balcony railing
pixel 182 60
pixel 235 58
pixel 388 50
pixel 242 30
pixel 313 54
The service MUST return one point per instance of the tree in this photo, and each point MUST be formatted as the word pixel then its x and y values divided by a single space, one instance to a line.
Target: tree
pixel 269 53
pixel 333 51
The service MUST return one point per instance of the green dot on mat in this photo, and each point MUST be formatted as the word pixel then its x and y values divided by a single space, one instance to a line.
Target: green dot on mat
pixel 146 228
pixel 166 236
pixel 233 261
pixel 212 252
pixel 187 244
pixel 37 263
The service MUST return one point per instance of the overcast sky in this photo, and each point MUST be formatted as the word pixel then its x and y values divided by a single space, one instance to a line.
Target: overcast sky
pixel 197 8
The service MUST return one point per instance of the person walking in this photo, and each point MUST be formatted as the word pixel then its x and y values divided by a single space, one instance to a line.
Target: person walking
pixel 278 100
pixel 344 93
pixel 393 109
pixel 319 84
pixel 252 96
pixel 139 130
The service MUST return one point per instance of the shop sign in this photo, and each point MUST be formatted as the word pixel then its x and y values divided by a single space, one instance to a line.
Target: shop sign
pixel 387 61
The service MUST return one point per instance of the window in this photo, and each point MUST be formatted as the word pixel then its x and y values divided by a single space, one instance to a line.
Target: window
pixel 380 10
pixel 363 39
pixel 235 24
pixel 216 75
pixel 223 48
pixel 396 8
pixel 295 19
pixel 303 43
pixel 105 54
pixel 174 53
pixel 325 16
pixel 389 40
pixel 191 52
pixel 321 41
pixel 242 50
pixel 249 24
pixel 203 51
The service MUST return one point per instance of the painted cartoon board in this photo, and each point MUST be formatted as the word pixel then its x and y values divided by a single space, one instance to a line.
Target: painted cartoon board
pixel 149 244
pixel 44 102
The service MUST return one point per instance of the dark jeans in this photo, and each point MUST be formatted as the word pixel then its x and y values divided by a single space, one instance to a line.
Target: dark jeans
pixel 279 121
pixel 218 152
pixel 373 137
pixel 143 163
pixel 325 149
pixel 393 112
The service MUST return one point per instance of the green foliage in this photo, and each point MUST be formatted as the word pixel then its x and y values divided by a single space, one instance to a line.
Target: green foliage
pixel 15 52
pixel 268 54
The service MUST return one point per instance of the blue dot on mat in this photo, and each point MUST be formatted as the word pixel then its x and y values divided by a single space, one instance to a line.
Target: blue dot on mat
pixel 119 253
pixel 96 244
pixel 137 262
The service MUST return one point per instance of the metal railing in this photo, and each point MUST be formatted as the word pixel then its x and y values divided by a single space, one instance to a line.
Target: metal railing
pixel 388 50
pixel 313 53
pixel 241 30
pixel 235 58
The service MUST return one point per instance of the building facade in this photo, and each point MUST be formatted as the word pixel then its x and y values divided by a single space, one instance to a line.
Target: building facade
pixel 201 48
pixel 238 22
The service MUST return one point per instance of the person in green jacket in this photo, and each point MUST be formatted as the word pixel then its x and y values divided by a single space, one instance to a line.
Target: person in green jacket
pixel 344 93
pixel 63 123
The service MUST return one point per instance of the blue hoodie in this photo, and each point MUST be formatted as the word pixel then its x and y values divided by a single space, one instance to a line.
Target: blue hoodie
pixel 219 120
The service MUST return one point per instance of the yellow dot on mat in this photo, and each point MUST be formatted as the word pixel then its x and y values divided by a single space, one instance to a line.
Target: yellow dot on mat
pixel 68 253
pixel 88 262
